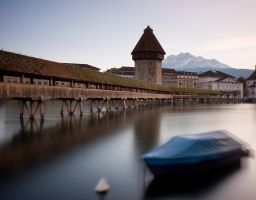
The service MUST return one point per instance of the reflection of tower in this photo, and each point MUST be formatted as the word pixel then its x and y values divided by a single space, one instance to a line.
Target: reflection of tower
pixel 148 55
pixel 147 126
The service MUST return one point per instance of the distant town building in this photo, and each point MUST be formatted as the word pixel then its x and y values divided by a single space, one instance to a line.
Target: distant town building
pixel 227 84
pixel 125 72
pixel 251 85
pixel 170 77
pixel 187 79
pixel 148 55
pixel 179 79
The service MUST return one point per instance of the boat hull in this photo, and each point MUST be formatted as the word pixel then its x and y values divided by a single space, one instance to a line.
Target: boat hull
pixel 195 153
pixel 198 167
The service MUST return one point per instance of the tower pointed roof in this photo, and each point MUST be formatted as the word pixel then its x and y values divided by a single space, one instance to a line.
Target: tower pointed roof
pixel 148 43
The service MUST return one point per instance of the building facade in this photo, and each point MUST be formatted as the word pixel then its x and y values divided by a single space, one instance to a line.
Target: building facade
pixel 125 72
pixel 148 55
pixel 228 85
pixel 170 77
pixel 187 79
pixel 251 85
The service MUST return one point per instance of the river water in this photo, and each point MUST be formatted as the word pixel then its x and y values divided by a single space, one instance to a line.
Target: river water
pixel 64 157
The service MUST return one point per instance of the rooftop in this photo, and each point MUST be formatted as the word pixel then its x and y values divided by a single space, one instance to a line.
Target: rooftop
pixel 253 75
pixel 217 74
pixel 168 70
pixel 90 67
pixel 30 66
pixel 148 43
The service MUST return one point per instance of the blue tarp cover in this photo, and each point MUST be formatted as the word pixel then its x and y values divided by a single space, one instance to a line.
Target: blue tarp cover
pixel 194 148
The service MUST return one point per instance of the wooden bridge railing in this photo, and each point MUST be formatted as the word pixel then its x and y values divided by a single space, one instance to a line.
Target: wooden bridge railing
pixel 34 96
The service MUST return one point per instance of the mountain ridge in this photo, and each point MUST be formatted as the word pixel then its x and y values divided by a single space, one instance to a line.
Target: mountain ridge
pixel 188 62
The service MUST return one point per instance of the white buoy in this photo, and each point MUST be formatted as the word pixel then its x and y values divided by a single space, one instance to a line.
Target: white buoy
pixel 102 186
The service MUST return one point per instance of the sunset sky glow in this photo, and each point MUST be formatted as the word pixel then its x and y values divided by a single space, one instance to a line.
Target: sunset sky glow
pixel 103 33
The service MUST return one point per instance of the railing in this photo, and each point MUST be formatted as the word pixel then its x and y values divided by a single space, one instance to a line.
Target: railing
pixel 35 92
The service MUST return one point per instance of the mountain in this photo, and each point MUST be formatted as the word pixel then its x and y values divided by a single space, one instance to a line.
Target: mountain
pixel 191 63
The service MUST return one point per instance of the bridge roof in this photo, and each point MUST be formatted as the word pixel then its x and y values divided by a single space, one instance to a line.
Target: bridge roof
pixel 90 67
pixel 35 67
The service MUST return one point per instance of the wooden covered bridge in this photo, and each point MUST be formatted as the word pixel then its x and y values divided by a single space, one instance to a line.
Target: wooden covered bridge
pixel 34 81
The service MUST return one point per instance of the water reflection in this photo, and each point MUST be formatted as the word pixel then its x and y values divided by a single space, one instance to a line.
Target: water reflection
pixel 189 185
pixel 147 134
pixel 70 154
pixel 33 143
pixel 28 126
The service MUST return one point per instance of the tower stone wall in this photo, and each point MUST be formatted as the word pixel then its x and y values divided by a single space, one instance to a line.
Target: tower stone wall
pixel 148 55
pixel 149 71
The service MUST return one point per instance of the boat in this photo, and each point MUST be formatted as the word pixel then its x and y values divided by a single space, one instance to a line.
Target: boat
pixel 195 153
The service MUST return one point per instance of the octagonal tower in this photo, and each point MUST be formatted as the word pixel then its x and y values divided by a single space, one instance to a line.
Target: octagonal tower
pixel 148 55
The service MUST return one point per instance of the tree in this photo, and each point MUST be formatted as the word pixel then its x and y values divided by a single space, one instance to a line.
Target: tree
pixel 241 79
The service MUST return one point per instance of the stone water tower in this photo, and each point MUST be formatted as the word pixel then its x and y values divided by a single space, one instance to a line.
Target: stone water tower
pixel 148 55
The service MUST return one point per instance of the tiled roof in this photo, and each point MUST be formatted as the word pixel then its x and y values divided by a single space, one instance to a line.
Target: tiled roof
pixel 253 76
pixel 148 43
pixel 168 70
pixel 186 73
pixel 26 65
pixel 35 67
pixel 124 68
pixel 122 71
pixel 223 78
pixel 217 74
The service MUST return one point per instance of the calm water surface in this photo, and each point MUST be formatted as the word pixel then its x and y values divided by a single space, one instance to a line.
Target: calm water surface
pixel 63 157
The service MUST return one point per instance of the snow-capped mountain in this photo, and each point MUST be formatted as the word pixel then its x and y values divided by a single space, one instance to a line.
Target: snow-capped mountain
pixel 188 62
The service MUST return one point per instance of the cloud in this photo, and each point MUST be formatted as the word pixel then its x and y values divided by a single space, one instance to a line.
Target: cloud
pixel 229 44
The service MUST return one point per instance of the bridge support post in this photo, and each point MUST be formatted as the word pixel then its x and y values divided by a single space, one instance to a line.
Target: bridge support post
pixel 29 105
pixel 91 105
pixel 62 108
pixel 99 105
pixel 69 106
pixel 31 114
pixel 124 104
pixel 22 110
pixel 108 107
pixel 135 103
pixel 81 107
pixel 42 110
pixel 116 104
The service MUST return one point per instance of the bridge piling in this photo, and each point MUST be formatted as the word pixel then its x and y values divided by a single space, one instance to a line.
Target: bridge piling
pixel 62 108
pixel 124 104
pixel 42 110
pixel 81 107
pixel 22 110
pixel 31 110
pixel 91 105
pixel 108 107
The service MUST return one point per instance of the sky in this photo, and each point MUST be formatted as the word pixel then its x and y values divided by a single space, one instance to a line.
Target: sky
pixel 103 33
